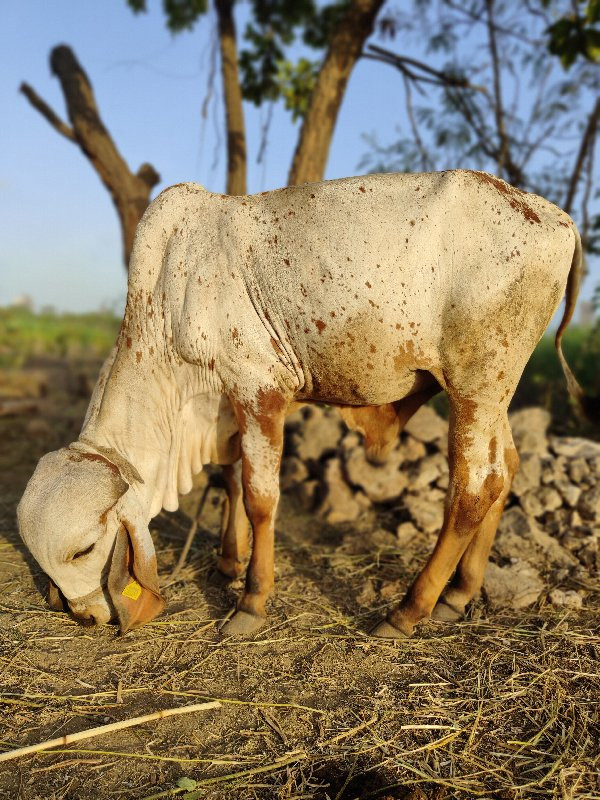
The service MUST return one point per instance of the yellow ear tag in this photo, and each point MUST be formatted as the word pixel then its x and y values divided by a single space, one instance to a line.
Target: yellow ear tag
pixel 133 590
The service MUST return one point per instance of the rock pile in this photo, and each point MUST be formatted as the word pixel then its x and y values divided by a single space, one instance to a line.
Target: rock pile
pixel 551 525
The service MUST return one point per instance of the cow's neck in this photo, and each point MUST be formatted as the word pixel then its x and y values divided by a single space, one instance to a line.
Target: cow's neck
pixel 162 420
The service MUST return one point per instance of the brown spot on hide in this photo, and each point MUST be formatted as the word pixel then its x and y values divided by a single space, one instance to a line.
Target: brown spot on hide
pixel 211 364
pixel 492 449
pixel 78 456
pixel 271 405
pixel 514 196
pixel 511 457
pixel 367 284
pixel 362 189
pixel 128 342
pixel 320 325
pixel 373 349
pixel 412 222
pixel 500 375
pixel 286 261
pixel 138 356
pixel 276 347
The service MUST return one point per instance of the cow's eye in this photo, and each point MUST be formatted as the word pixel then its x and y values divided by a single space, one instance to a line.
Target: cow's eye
pixel 84 552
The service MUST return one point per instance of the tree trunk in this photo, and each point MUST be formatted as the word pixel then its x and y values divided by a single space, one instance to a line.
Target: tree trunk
pixel 310 158
pixel 130 192
pixel 234 112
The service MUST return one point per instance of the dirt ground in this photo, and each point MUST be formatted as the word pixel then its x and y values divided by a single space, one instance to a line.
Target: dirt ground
pixel 503 705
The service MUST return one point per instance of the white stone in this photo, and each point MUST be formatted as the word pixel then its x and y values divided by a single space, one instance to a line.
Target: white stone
pixel 426 425
pixel 380 482
pixel 516 585
pixel 529 426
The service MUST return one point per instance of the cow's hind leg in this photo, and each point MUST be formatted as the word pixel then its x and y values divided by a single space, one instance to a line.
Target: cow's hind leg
pixel 261 425
pixel 467 580
pixel 234 525
pixel 479 475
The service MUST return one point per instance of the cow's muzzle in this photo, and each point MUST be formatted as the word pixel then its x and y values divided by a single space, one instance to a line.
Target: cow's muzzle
pixel 92 608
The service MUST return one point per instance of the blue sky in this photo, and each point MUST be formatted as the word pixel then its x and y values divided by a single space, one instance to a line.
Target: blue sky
pixel 60 235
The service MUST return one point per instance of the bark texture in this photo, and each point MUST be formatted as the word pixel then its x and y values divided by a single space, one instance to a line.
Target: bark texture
pixel 345 48
pixel 234 112
pixel 130 191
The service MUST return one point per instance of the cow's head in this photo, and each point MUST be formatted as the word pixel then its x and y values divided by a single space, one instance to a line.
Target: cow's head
pixel 81 518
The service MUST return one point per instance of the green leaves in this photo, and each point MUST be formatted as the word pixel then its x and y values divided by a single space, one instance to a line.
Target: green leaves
pixel 266 72
pixel 575 35
pixel 180 14
pixel 296 83
pixel 186 783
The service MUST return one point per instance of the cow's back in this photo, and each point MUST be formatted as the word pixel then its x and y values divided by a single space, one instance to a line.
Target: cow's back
pixel 375 280
pixel 364 283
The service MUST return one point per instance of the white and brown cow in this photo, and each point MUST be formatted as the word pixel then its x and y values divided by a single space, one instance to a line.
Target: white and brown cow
pixel 370 294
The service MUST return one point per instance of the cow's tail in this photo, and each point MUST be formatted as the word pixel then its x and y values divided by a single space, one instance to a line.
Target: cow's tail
pixel 590 406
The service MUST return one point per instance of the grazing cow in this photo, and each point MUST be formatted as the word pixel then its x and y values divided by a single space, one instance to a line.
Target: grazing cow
pixel 369 293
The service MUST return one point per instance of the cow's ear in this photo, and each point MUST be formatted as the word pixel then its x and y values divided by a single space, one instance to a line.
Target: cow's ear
pixel 133 578
pixel 56 600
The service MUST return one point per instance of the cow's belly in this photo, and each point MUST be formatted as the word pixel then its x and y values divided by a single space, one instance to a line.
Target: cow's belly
pixel 368 363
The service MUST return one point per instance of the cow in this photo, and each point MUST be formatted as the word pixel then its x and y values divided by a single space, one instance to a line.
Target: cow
pixel 368 293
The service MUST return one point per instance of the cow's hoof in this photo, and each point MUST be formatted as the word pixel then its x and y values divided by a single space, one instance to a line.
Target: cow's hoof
pixel 230 568
pixel 384 630
pixel 242 624
pixel 444 612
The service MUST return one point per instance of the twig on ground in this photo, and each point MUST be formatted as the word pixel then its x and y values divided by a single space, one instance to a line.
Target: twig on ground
pixel 102 729
pixel 191 533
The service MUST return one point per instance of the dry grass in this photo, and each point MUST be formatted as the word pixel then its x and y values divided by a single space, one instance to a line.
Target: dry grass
pixel 505 705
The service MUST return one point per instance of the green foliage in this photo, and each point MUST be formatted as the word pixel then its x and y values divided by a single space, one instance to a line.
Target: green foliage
pixel 576 34
pixel 24 334
pixel 543 382
pixel 296 82
pixel 266 73
pixel 181 14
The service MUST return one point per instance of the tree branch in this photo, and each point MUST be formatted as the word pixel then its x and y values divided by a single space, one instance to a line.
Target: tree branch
pixel 232 95
pixel 503 150
pixel 587 142
pixel 441 78
pixel 40 105
pixel 425 160
pixel 317 129
pixel 130 191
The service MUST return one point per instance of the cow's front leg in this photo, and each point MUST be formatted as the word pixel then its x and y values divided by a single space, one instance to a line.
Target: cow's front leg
pixel 480 474
pixel 261 425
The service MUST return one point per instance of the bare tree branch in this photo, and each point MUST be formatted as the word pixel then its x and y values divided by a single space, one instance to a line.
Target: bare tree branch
pixel 130 191
pixel 441 78
pixel 587 141
pixel 40 105
pixel 503 154
pixel 425 160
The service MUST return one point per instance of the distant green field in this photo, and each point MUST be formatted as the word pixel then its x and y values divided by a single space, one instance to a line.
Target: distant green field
pixel 543 383
pixel 25 335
